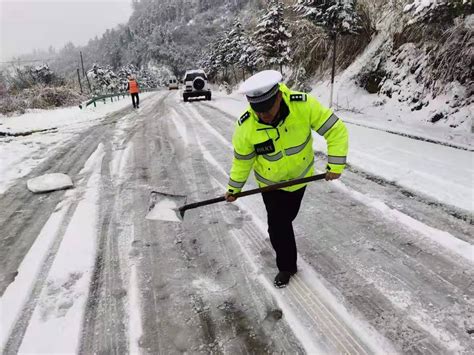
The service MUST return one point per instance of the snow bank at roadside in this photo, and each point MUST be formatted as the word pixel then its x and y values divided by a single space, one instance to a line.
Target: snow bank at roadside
pixel 62 117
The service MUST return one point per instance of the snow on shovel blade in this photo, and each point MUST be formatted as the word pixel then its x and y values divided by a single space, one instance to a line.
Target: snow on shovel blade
pixel 164 207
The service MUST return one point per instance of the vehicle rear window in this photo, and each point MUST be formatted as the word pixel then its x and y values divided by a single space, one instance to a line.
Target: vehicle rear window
pixel 192 76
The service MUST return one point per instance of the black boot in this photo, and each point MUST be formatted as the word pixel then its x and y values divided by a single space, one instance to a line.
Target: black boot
pixel 283 278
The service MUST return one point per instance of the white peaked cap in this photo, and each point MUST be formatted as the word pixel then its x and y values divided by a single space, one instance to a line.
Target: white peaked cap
pixel 260 84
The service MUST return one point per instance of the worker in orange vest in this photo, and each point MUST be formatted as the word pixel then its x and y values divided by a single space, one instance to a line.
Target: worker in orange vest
pixel 133 89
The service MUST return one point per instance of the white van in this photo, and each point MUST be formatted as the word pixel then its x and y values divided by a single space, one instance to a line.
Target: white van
pixel 173 84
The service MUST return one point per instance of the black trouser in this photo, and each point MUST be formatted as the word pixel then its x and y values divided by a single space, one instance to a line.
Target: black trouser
pixel 135 99
pixel 282 208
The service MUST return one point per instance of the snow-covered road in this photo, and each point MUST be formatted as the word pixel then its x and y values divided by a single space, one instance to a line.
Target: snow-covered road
pixel 385 265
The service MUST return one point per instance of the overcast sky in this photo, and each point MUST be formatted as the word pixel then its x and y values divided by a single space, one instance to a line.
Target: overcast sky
pixel 29 24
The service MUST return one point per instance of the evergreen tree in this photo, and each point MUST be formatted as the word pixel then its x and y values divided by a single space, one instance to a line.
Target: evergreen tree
pixel 232 46
pixel 146 79
pixel 123 74
pixel 248 55
pixel 272 37
pixel 335 17
pixel 215 61
pixel 233 43
pixel 439 11
pixel 103 80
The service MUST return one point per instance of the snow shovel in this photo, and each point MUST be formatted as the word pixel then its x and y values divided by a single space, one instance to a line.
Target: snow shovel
pixel 165 207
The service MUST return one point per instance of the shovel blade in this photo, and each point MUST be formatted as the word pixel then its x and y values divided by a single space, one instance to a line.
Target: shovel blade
pixel 165 207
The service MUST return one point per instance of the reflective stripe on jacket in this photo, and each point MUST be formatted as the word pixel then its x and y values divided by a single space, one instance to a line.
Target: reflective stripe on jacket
pixel 132 86
pixel 293 155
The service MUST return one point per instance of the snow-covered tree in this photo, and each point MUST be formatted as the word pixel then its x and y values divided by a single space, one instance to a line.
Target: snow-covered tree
pixel 103 80
pixel 147 79
pixel 42 74
pixel 234 41
pixel 248 55
pixel 272 37
pixel 123 74
pixel 334 16
pixel 438 11
pixel 214 61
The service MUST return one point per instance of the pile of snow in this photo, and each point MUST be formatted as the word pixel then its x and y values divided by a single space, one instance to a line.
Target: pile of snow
pixel 49 182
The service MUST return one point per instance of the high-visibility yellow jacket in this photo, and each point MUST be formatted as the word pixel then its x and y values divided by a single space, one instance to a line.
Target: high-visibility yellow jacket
pixel 286 151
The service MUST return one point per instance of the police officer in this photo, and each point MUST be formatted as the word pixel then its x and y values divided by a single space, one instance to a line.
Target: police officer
pixel 133 89
pixel 273 137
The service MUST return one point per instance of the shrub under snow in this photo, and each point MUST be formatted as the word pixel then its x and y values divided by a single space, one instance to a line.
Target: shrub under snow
pixel 40 97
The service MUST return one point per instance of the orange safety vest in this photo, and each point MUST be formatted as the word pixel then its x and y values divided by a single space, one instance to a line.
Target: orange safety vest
pixel 132 87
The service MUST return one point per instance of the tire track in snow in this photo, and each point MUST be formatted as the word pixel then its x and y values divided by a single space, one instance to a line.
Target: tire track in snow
pixel 105 327
pixel 164 320
pixel 22 323
pixel 22 316
pixel 22 216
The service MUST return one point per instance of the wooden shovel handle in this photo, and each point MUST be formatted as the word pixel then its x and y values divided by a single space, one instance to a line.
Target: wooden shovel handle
pixel 253 191
pixel 280 185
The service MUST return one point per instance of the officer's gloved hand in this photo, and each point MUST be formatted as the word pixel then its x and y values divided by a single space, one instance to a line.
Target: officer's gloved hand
pixel 332 176
pixel 229 197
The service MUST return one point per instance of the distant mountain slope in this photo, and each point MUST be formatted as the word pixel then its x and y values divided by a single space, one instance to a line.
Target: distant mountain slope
pixel 167 32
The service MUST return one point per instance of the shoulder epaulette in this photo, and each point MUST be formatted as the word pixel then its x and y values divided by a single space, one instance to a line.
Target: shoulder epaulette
pixel 298 97
pixel 244 117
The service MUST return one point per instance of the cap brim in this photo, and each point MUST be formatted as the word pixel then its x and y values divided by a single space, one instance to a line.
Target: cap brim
pixel 263 106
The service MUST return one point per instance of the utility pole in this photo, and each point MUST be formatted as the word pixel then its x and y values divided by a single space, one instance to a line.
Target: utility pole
pixel 82 65
pixel 333 71
pixel 84 74
pixel 79 79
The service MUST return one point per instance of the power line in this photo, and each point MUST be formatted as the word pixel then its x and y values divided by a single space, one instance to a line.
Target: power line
pixel 26 61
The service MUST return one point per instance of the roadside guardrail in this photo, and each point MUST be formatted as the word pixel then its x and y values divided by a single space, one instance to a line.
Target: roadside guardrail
pixel 93 101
